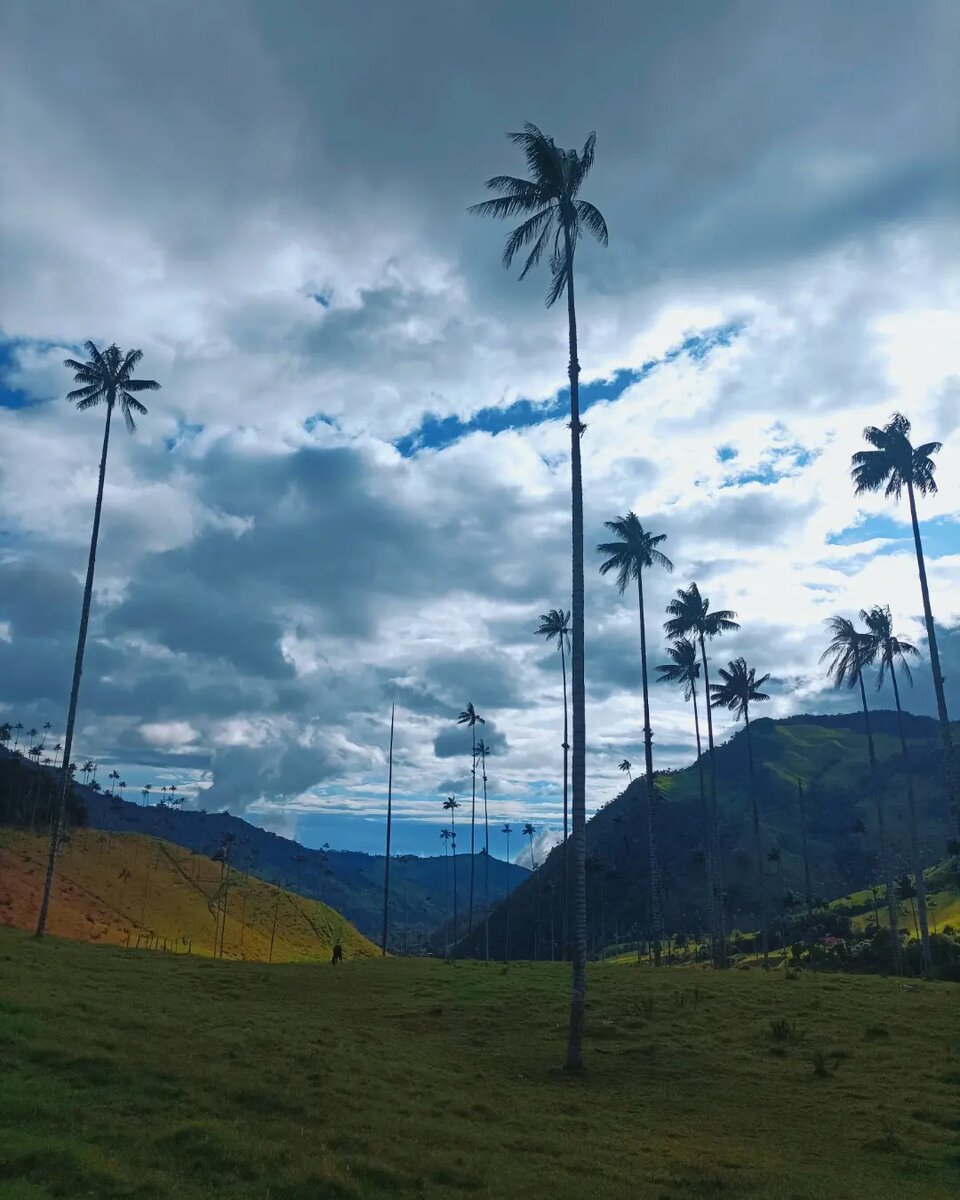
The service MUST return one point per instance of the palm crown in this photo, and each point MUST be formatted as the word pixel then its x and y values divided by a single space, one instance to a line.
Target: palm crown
pixel 108 377
pixel 849 651
pixel 885 648
pixel 555 217
pixel 625 764
pixel 894 462
pixel 685 668
pixel 555 624
pixel 740 688
pixel 636 549
pixel 690 613
pixel 470 717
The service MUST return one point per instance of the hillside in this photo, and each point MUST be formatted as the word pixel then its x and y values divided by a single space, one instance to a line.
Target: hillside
pixel 349 881
pixel 829 754
pixel 130 890
pixel 132 1075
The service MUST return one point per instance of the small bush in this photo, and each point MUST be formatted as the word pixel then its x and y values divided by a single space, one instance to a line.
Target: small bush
pixel 782 1030
pixel 876 1033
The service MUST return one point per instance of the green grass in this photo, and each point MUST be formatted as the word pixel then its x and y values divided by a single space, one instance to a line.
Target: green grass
pixel 129 1074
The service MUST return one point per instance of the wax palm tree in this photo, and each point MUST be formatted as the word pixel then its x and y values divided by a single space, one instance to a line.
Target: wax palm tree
pixel 106 378
pixel 555 217
pixel 625 765
pixel 635 552
pixel 890 653
pixel 445 836
pixel 555 625
pixel 451 805
pixel 690 616
pixel 506 831
pixel 849 653
pixel 471 718
pixel 528 831
pixel 386 867
pixel 684 671
pixel 895 465
pixel 740 688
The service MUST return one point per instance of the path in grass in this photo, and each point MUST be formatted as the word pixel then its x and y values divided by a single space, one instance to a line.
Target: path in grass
pixel 141 1075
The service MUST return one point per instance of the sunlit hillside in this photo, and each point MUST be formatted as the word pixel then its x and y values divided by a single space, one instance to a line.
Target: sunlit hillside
pixel 128 889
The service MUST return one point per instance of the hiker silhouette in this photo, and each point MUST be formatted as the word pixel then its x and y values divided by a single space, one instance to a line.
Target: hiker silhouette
pixel 337 954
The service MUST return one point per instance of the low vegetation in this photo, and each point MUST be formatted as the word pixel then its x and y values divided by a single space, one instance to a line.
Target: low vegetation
pixel 129 1074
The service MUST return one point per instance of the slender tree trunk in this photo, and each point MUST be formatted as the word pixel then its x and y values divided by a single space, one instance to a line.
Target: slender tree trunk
pixel 565 930
pixel 578 993
pixel 718 902
pixel 806 854
pixel 386 867
pixel 486 866
pixel 453 828
pixel 56 828
pixel 446 900
pixel 923 931
pixel 707 825
pixel 949 762
pixel 473 823
pixel 886 865
pixel 757 845
pixel 656 910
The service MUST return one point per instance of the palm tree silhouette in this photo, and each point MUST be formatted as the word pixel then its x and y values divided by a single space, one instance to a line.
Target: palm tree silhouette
pixel 894 464
pixel 445 836
pixel 889 652
pixel 506 831
pixel 684 671
pixel 555 219
pixel 472 718
pixel 450 805
pixel 849 652
pixel 625 765
pixel 740 688
pixel 635 551
pixel 108 378
pixel 555 625
pixel 690 616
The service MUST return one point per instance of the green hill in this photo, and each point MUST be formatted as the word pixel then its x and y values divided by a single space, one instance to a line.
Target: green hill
pixel 828 753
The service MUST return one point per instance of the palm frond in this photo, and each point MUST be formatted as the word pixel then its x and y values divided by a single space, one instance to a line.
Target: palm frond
pixel 530 230
pixel 93 391
pixel 130 360
pixel 559 274
pixel 504 206
pixel 141 385
pixel 591 219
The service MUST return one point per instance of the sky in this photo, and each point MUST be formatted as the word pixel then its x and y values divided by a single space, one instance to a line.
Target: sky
pixel 353 487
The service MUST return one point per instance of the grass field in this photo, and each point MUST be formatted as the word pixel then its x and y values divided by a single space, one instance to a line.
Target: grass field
pixel 131 1074
pixel 121 888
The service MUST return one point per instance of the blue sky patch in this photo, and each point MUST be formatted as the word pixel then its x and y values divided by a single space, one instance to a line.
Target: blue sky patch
pixel 436 432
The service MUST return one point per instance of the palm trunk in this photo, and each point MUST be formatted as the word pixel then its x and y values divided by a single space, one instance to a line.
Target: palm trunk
pixel 386 867
pixel 446 900
pixel 656 911
pixel 757 844
pixel 949 763
pixel 705 817
pixel 806 855
pixel 486 867
pixel 578 993
pixel 56 829
pixel 886 864
pixel 917 862
pixel 453 829
pixel 473 823
pixel 564 926
pixel 720 933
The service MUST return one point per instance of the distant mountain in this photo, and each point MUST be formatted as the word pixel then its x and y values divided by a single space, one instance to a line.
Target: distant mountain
pixel 828 753
pixel 131 890
pixel 349 881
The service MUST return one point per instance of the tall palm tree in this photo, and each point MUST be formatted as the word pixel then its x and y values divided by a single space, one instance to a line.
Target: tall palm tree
pixel 483 750
pixel 690 616
pixel 895 464
pixel 555 218
pixel 740 688
pixel 528 831
pixel 506 831
pixel 849 653
pixel 450 805
pixel 106 378
pixel 625 765
pixel 808 890
pixel 684 671
pixel 629 557
pixel 556 625
pixel 889 652
pixel 472 718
